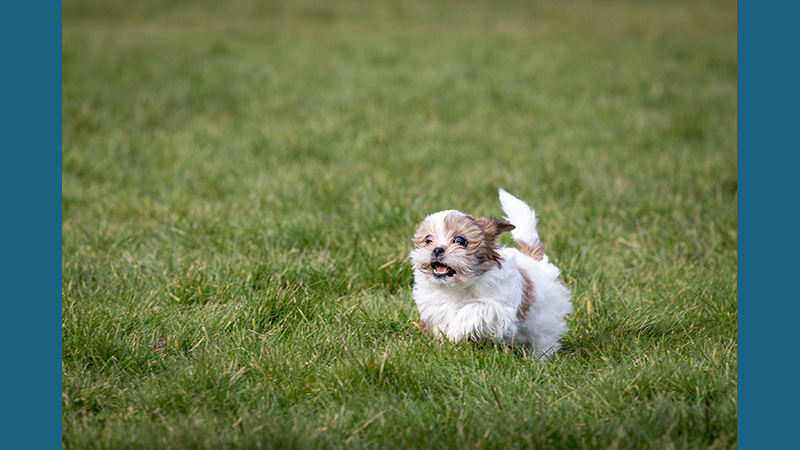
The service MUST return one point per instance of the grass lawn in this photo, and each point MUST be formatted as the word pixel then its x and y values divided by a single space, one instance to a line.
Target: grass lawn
pixel 241 181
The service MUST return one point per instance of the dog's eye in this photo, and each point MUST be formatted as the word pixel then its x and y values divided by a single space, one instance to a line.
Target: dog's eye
pixel 460 241
pixel 428 239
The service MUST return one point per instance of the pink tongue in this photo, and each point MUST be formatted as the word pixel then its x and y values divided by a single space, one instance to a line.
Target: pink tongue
pixel 441 269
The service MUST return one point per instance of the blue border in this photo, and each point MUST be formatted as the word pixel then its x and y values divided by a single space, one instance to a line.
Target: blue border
pixel 768 117
pixel 31 121
pixel 768 122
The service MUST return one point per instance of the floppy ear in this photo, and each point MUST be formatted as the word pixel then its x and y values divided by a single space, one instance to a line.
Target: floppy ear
pixel 493 227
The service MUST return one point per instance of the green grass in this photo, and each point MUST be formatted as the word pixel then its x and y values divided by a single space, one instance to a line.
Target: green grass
pixel 243 179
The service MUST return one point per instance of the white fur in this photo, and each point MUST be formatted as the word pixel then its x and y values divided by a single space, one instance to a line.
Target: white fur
pixel 485 307
pixel 519 214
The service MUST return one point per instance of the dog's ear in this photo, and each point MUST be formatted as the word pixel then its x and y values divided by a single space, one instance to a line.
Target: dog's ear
pixel 492 227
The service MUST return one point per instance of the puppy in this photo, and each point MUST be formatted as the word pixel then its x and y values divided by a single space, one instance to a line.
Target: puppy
pixel 467 287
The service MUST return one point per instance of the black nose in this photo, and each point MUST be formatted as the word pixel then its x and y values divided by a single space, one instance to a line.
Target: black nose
pixel 438 251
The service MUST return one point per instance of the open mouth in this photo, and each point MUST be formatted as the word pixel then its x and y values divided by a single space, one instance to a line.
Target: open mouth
pixel 442 270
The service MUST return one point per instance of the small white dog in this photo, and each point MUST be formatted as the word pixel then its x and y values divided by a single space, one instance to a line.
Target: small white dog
pixel 466 287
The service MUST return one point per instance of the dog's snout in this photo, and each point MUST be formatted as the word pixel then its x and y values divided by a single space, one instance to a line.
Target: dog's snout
pixel 438 251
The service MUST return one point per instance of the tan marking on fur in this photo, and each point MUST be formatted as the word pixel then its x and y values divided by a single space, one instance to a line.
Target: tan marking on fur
pixel 423 231
pixel 423 326
pixel 528 297
pixel 494 227
pixel 534 250
pixel 481 235
pixel 420 234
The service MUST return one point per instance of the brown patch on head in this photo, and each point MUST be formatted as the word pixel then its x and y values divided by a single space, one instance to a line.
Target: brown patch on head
pixel 423 230
pixel 528 293
pixel 480 235
pixel 535 249
pixel 493 227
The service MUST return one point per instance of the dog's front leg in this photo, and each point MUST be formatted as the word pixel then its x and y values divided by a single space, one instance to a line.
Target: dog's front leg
pixel 481 319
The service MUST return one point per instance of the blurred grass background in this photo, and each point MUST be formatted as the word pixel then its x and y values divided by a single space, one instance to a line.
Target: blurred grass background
pixel 241 180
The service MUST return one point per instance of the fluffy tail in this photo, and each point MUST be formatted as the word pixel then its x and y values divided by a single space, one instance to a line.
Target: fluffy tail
pixel 519 214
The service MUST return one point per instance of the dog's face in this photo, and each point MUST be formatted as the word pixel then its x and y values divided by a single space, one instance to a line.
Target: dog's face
pixel 452 248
